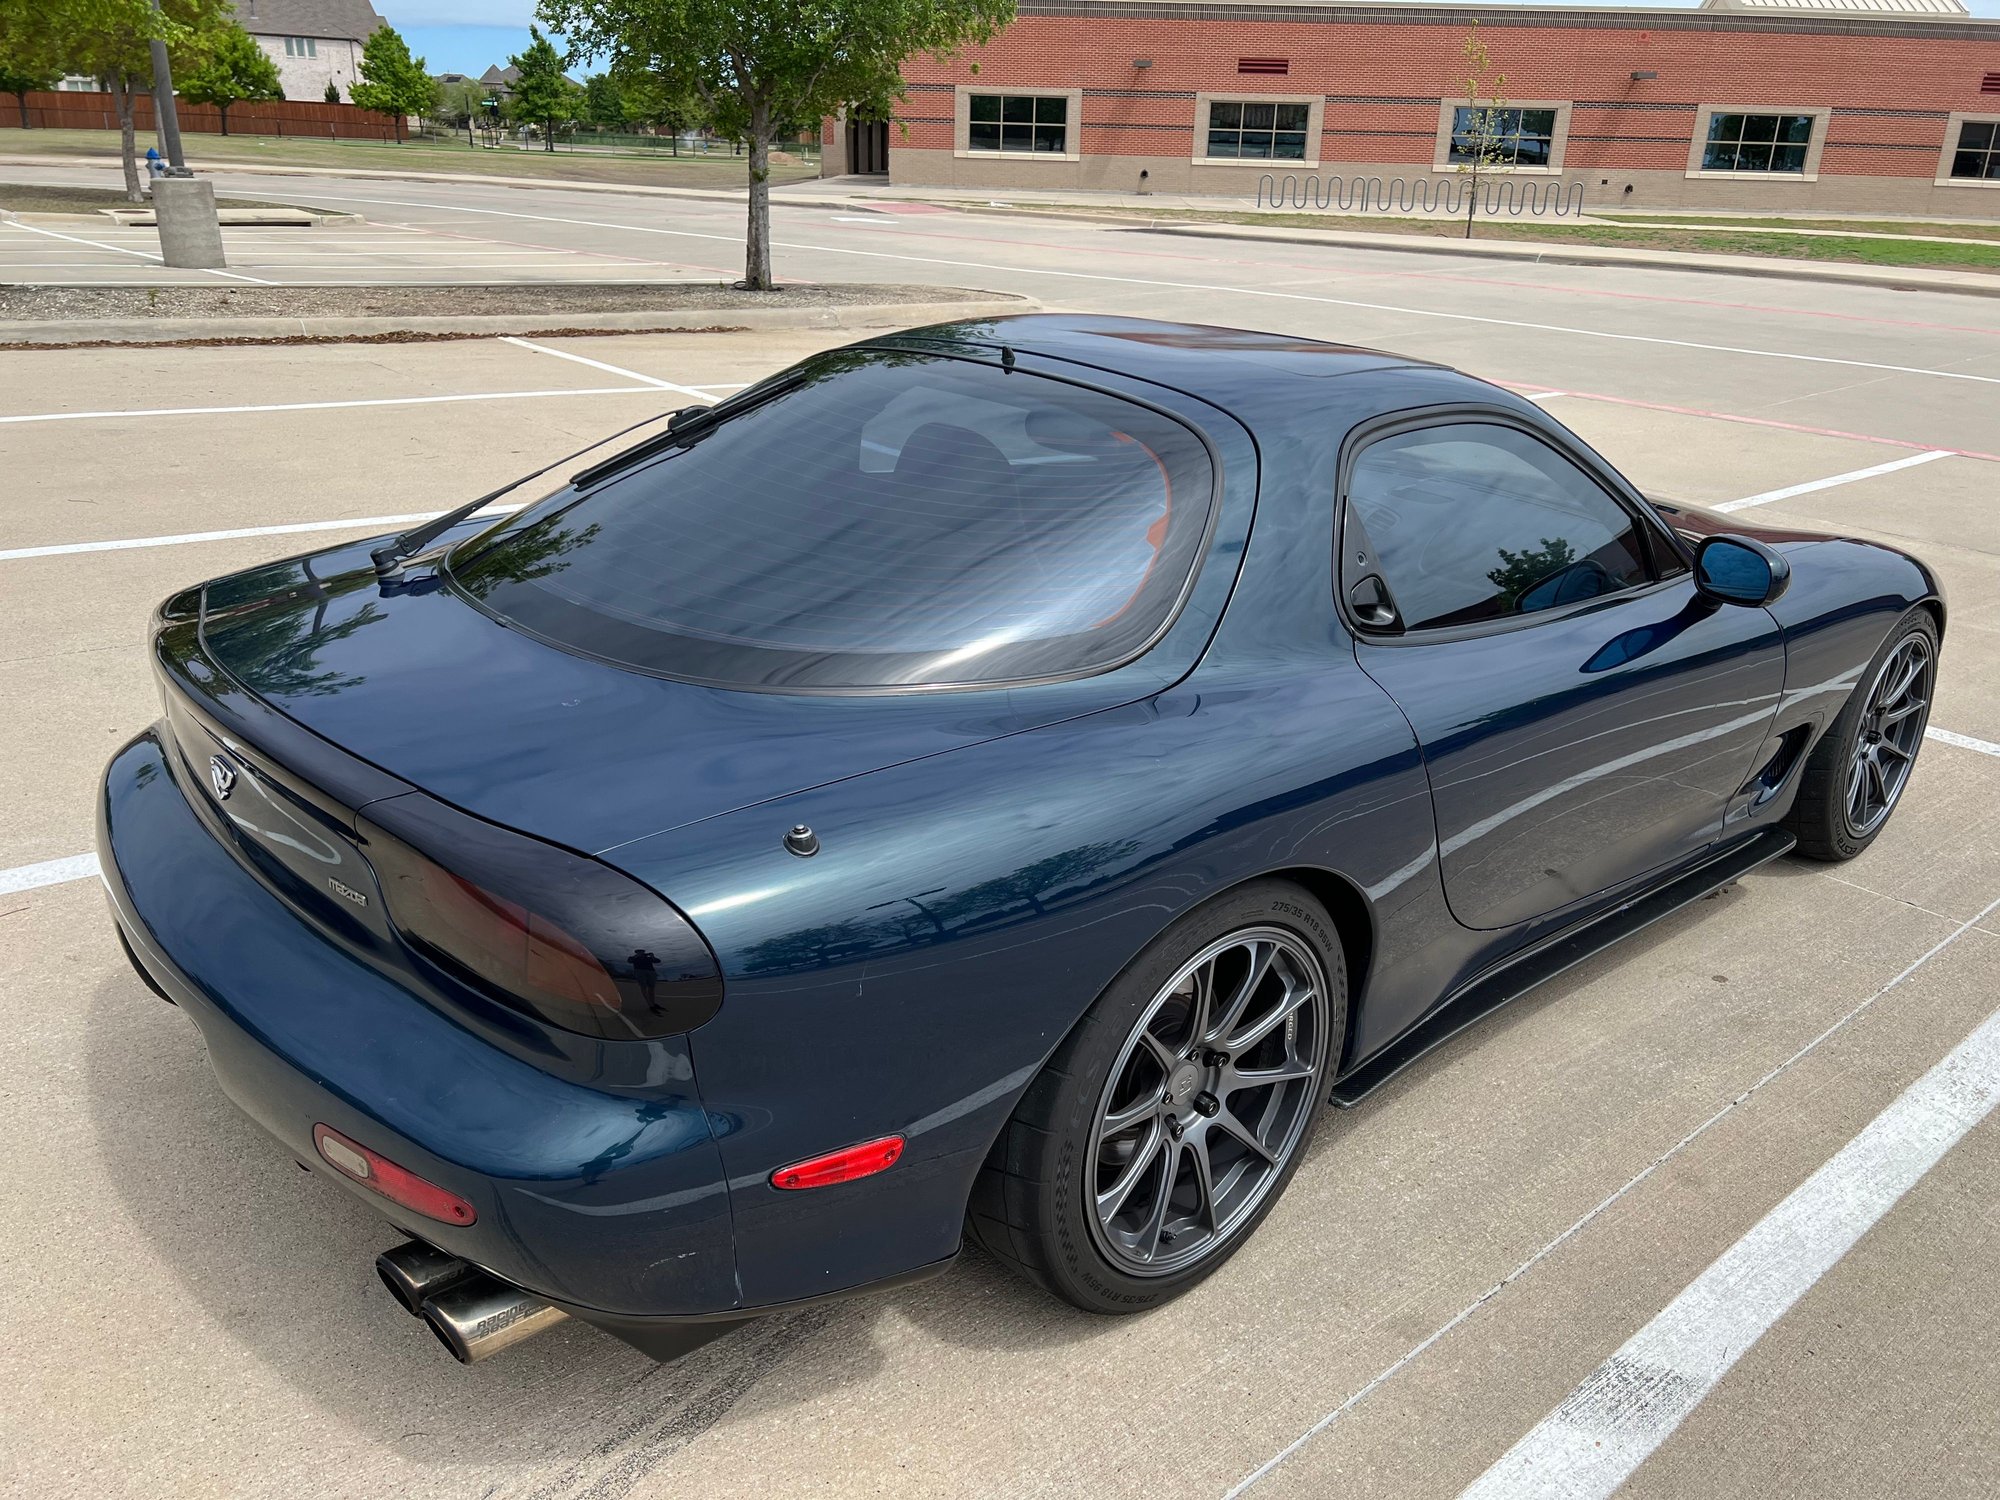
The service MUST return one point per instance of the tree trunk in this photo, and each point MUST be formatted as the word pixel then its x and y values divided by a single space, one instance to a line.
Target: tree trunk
pixel 1471 199
pixel 223 110
pixel 128 136
pixel 757 244
pixel 22 100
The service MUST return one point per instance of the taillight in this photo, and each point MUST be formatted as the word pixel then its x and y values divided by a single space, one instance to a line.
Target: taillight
pixel 844 1165
pixel 378 1174
pixel 536 927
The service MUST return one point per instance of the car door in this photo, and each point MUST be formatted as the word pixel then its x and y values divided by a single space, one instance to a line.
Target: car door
pixel 1585 714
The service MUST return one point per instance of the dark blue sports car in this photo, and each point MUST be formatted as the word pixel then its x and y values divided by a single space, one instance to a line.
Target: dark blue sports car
pixel 1002 778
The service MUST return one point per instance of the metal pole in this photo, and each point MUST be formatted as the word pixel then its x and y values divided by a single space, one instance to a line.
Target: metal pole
pixel 165 115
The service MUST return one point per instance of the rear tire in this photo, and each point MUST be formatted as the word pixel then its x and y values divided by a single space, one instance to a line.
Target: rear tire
pixel 1170 1120
pixel 1856 774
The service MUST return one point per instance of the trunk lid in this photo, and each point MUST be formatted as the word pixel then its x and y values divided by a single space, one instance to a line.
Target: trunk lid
pixel 425 687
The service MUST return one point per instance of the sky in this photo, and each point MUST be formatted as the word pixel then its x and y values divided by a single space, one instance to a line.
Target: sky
pixel 464 36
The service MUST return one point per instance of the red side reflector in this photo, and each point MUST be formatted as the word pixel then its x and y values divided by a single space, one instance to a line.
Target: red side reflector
pixel 844 1165
pixel 380 1175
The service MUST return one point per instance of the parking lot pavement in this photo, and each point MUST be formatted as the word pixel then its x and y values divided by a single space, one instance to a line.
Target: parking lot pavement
pixel 1455 1261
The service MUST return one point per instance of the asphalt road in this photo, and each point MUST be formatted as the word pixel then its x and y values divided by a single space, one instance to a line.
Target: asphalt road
pixel 1460 1258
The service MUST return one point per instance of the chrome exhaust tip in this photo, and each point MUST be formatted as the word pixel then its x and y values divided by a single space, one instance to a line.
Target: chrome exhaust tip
pixel 479 1316
pixel 415 1272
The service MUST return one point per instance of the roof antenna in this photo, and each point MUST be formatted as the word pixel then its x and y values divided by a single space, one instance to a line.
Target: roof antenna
pixel 1006 357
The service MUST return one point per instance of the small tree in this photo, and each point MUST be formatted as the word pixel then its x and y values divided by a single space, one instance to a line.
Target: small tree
pixel 542 95
pixel 754 66
pixel 649 102
pixel 332 94
pixel 27 52
pixel 112 40
pixel 459 102
pixel 231 69
pixel 393 82
pixel 604 102
pixel 1479 127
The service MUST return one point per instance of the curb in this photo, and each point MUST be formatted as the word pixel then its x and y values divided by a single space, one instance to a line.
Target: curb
pixel 1963 284
pixel 872 315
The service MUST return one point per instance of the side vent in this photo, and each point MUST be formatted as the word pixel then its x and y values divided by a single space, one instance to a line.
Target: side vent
pixel 1263 65
pixel 1989 83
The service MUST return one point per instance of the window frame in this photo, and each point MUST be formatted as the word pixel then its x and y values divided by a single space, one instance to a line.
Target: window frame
pixel 472 547
pixel 1669 562
pixel 962 122
pixel 1820 114
pixel 1315 123
pixel 1558 139
pixel 1954 127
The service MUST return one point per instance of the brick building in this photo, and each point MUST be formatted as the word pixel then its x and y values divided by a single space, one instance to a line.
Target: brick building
pixel 1836 105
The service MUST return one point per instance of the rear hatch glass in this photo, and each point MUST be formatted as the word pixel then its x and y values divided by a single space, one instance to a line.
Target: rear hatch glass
pixel 892 520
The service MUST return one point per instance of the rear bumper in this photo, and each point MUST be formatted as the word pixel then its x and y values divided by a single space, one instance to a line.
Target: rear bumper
pixel 611 1204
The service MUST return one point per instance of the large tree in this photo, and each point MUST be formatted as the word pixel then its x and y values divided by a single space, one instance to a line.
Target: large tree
pixel 393 82
pixel 27 52
pixel 232 68
pixel 541 95
pixel 604 102
pixel 112 40
pixel 756 66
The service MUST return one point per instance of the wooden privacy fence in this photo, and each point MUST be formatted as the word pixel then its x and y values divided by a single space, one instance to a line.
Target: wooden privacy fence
pixel 289 117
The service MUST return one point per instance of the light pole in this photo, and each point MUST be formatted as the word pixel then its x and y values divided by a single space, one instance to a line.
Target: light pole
pixel 165 116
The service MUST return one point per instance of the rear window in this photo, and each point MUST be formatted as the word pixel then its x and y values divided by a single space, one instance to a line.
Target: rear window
pixel 895 520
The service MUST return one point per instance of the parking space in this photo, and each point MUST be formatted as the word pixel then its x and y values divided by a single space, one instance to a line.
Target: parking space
pixel 1455 1259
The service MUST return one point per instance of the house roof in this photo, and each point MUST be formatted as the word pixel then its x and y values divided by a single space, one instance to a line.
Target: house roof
pixel 1844 7
pixel 341 20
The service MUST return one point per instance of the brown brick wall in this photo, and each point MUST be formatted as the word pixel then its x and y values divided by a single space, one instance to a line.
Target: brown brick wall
pixel 1890 85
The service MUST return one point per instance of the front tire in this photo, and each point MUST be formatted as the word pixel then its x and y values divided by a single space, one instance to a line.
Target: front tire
pixel 1171 1119
pixel 1856 774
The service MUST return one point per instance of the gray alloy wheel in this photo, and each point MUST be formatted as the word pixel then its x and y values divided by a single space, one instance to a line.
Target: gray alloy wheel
pixel 1894 713
pixel 1208 1100
pixel 1857 772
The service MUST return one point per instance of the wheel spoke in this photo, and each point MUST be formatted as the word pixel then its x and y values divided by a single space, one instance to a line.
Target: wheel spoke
pixel 1201 1001
pixel 1896 750
pixel 1251 1078
pixel 1875 775
pixel 1261 955
pixel 1112 1200
pixel 1897 715
pixel 1904 682
pixel 1204 1184
pixel 1165 1056
pixel 1286 1006
pixel 1227 1122
pixel 1857 804
pixel 1149 1234
pixel 1145 1108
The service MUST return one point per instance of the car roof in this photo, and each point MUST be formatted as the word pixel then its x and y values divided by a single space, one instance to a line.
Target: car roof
pixel 1217 364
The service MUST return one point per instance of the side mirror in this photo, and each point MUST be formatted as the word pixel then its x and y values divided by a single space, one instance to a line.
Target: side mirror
pixel 1737 570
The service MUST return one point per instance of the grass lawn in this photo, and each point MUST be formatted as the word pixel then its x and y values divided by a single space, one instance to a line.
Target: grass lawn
pixel 1775 244
pixel 33 199
pixel 215 151
pixel 1913 228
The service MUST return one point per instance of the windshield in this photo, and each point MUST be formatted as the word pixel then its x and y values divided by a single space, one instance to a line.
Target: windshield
pixel 894 520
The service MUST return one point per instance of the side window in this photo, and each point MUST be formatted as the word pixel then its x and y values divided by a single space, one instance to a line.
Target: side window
pixel 1472 521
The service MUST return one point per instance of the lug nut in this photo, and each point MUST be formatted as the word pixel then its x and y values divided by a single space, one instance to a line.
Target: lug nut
pixel 1207 1105
pixel 1214 1059
pixel 1174 1129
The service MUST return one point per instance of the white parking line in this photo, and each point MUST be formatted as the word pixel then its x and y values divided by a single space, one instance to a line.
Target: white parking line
pixel 219 411
pixel 124 250
pixel 126 544
pixel 1194 286
pixel 1963 741
pixel 598 364
pixel 1621 1412
pixel 48 872
pixel 1445 1328
pixel 1833 480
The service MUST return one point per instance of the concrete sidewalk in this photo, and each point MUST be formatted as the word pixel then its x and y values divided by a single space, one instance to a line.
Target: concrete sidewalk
pixel 849 194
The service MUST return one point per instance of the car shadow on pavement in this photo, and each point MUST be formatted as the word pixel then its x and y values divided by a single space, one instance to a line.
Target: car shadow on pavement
pixel 281 1263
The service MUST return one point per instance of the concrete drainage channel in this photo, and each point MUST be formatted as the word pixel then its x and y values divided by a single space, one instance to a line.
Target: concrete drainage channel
pixel 70 316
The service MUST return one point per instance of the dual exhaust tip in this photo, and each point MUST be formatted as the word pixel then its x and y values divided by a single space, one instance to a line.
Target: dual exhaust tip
pixel 474 1315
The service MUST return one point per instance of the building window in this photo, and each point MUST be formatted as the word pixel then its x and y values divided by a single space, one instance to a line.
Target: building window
pixel 1757 143
pixel 1977 158
pixel 1513 137
pixel 1036 123
pixel 301 46
pixel 1257 130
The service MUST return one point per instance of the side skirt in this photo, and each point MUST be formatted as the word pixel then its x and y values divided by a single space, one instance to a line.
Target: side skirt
pixel 1521 973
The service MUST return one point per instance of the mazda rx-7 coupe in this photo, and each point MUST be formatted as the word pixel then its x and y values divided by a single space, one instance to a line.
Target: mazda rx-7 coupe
pixel 1002 780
